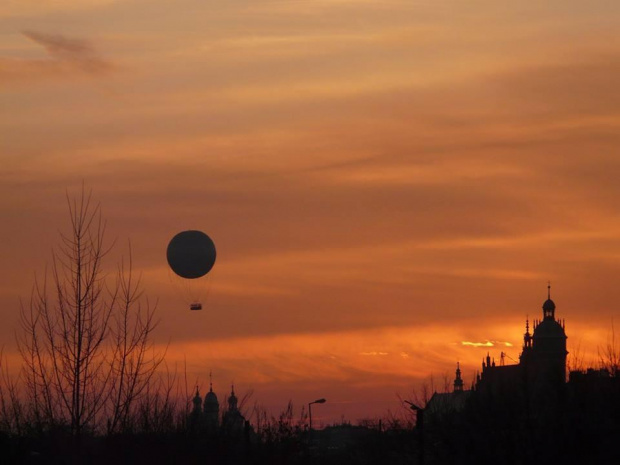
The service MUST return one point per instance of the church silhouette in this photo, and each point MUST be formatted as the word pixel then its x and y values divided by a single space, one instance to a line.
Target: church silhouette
pixel 540 375
pixel 527 412
pixel 537 382
pixel 206 416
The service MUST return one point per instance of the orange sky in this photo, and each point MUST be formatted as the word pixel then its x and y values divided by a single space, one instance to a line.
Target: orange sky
pixel 384 180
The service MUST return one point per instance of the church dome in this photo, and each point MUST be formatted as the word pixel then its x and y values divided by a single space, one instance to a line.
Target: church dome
pixel 211 398
pixel 548 305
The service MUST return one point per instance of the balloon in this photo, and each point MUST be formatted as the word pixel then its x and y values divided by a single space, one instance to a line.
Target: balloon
pixel 191 254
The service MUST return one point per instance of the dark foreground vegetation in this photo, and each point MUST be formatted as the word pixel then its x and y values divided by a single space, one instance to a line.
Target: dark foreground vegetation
pixel 361 446
pixel 584 429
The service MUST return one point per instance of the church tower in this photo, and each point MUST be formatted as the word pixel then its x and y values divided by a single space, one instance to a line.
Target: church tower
pixel 211 408
pixel 232 400
pixel 526 353
pixel 458 381
pixel 233 421
pixel 195 414
pixel 548 349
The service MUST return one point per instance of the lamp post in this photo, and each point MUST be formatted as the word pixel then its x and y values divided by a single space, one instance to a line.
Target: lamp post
pixel 318 401
pixel 420 426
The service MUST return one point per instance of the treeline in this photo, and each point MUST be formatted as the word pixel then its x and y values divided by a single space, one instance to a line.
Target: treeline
pixel 160 430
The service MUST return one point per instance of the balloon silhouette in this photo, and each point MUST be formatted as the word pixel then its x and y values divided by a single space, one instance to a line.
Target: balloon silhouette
pixel 191 255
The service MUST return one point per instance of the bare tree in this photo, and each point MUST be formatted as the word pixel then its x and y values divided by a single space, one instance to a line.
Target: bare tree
pixel 134 362
pixel 425 391
pixel 11 407
pixel 575 361
pixel 159 409
pixel 609 355
pixel 85 345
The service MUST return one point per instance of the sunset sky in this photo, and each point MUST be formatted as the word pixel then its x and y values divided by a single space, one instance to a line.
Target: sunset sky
pixel 384 180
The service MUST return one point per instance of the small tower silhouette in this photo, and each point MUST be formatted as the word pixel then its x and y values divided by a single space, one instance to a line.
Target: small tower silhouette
pixel 197 400
pixel 232 400
pixel 211 408
pixel 549 306
pixel 196 411
pixel 526 353
pixel 527 337
pixel 547 363
pixel 458 381
pixel 233 420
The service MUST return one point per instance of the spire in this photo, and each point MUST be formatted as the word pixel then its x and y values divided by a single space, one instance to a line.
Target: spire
pixel 527 337
pixel 549 305
pixel 210 381
pixel 197 400
pixel 458 381
pixel 232 400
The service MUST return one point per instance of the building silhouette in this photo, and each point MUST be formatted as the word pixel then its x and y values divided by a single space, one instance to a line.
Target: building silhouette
pixel 536 384
pixel 527 412
pixel 233 421
pixel 447 403
pixel 538 381
pixel 211 409
pixel 205 417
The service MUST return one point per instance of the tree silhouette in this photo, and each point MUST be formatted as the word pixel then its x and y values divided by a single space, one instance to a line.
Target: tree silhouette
pixel 85 345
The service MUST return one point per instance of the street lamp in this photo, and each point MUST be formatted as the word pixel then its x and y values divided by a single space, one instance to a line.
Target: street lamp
pixel 420 427
pixel 318 401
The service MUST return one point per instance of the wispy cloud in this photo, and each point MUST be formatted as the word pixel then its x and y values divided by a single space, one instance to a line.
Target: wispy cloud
pixel 66 56
pixel 77 52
